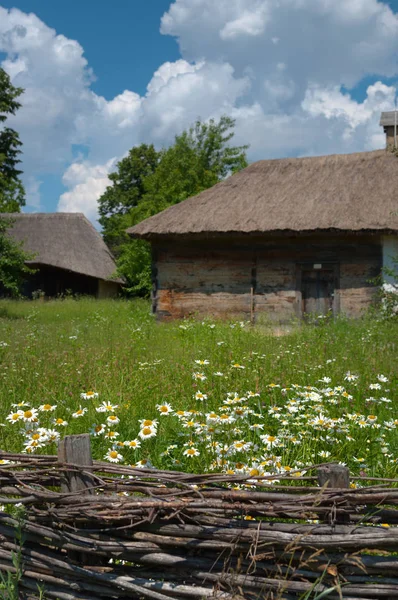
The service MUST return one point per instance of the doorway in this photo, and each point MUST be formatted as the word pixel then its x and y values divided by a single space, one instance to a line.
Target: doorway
pixel 318 287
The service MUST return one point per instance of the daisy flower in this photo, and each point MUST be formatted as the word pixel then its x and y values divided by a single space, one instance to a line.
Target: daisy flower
pixel 111 435
pixel 200 376
pixel 148 423
pixel 200 396
pixel 191 452
pixel 52 435
pixel 14 417
pixel 47 407
pixel 32 445
pixel 60 422
pixel 382 378
pixel 90 395
pixel 30 415
pixel 19 404
pixel 113 420
pixel 97 430
pixel 79 413
pixel 134 444
pixel 164 409
pixel 202 362
pixel 237 366
pixel 113 456
pixel 107 407
pixel 147 432
pixel 145 463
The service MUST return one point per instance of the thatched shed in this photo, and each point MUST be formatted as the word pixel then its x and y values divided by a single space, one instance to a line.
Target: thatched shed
pixel 69 254
pixel 283 237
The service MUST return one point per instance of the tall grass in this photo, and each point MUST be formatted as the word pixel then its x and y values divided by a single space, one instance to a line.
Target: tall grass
pixel 52 352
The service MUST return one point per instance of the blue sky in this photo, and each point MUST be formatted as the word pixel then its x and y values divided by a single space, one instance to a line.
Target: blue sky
pixel 300 78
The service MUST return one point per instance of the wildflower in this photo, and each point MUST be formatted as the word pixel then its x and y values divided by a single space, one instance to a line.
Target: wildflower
pixel 134 444
pixel 47 407
pixel 97 430
pixel 113 420
pixel 200 396
pixel 382 378
pixel 19 404
pixel 325 380
pixel 90 395
pixel 240 445
pixel 111 435
pixel 52 436
pixel 145 463
pixel 270 440
pixel 164 409
pixel 79 413
pixel 200 376
pixel 148 423
pixel 237 366
pixel 375 386
pixel 212 417
pixel 147 432
pixel 191 452
pixel 324 454
pixel 60 422
pixel 14 417
pixel 202 362
pixel 350 377
pixel 107 407
pixel 29 415
pixel 218 374
pixel 113 456
pixel 32 445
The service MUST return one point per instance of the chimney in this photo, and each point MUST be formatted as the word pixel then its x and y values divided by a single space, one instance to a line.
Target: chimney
pixel 389 122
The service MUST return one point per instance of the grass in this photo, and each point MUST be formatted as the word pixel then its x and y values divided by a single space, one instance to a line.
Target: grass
pixel 274 411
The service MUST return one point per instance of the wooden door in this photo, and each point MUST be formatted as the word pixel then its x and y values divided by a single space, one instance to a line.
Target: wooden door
pixel 317 290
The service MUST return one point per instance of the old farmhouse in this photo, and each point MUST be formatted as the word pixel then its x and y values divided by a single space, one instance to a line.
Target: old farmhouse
pixel 68 253
pixel 282 237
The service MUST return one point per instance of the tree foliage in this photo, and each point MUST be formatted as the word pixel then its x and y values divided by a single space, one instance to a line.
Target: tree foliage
pixel 13 268
pixel 12 193
pixel 146 182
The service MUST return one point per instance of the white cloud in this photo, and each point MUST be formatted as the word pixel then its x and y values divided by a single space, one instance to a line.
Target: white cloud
pixel 277 67
pixel 87 182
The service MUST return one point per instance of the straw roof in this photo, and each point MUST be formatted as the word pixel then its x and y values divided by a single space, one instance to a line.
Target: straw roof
pixel 388 118
pixel 64 240
pixel 351 192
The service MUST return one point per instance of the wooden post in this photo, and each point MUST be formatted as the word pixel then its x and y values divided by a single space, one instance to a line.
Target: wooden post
pixel 338 477
pixel 76 450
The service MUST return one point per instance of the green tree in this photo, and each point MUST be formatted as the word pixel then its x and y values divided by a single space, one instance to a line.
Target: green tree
pixel 199 158
pixel 126 191
pixel 12 193
pixel 13 268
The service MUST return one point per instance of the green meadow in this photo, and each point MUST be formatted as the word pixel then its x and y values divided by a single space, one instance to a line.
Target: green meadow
pixel 198 395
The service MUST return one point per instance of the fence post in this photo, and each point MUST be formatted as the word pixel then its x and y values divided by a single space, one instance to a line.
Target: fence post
pixel 76 450
pixel 335 476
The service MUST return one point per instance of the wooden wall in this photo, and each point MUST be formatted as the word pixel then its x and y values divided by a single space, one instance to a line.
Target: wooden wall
pixel 245 278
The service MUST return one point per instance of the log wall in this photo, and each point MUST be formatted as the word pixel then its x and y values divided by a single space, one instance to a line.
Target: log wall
pixel 246 278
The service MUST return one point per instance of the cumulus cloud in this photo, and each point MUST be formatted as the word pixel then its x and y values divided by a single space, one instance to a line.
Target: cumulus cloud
pixel 87 182
pixel 286 71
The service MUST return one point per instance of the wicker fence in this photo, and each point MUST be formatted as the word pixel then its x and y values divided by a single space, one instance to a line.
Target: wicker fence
pixel 179 535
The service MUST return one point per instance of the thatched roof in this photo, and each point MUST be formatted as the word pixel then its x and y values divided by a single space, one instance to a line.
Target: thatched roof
pixel 351 192
pixel 388 118
pixel 64 240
